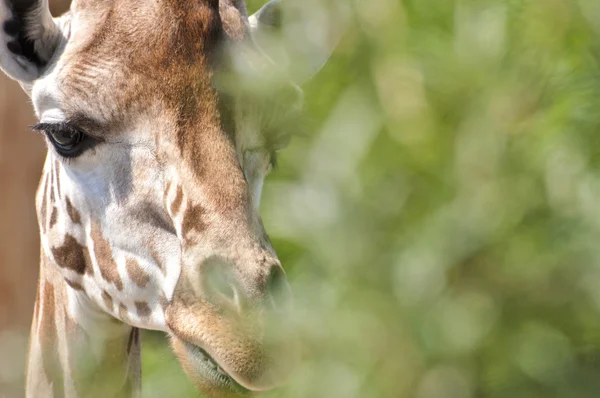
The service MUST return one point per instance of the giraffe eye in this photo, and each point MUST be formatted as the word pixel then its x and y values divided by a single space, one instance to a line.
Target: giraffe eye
pixel 68 140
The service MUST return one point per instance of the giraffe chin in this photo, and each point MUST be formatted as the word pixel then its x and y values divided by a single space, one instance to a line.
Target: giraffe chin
pixel 206 374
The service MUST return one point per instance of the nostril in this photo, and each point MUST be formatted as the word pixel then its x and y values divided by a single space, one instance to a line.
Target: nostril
pixel 219 285
pixel 279 289
pixel 229 287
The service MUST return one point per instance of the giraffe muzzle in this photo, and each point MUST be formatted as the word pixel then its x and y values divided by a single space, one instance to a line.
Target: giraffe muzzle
pixel 230 326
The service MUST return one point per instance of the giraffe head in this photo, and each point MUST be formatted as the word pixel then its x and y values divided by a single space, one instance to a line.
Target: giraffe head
pixel 149 201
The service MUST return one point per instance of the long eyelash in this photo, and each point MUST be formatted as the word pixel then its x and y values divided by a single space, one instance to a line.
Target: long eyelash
pixel 41 127
pixel 63 126
pixel 51 127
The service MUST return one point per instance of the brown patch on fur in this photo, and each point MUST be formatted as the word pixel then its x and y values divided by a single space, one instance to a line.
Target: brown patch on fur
pixel 103 252
pixel 52 196
pixel 53 217
pixel 73 256
pixel 164 302
pixel 74 286
pixel 156 258
pixel 123 313
pixel 153 215
pixel 52 202
pixel 108 301
pixel 136 272
pixel 193 218
pixel 176 204
pixel 56 171
pixel 143 309
pixel 73 213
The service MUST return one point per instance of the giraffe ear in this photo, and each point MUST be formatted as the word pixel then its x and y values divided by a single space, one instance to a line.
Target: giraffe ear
pixel 299 36
pixel 29 38
pixel 234 18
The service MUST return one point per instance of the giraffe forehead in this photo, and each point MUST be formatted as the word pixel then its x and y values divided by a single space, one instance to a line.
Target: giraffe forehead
pixel 123 58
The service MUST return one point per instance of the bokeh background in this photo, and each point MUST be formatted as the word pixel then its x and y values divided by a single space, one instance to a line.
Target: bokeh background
pixel 439 220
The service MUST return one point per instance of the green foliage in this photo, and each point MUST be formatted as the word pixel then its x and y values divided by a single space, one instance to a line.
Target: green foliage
pixel 439 223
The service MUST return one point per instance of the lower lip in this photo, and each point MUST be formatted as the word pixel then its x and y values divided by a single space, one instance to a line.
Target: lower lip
pixel 212 372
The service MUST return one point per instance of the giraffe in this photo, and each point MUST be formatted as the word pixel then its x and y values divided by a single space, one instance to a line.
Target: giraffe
pixel 148 202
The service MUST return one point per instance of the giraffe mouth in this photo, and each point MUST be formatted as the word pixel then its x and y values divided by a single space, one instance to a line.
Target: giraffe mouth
pixel 225 359
pixel 212 372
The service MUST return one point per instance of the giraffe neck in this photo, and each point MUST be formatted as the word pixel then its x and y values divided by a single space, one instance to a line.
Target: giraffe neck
pixel 76 350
